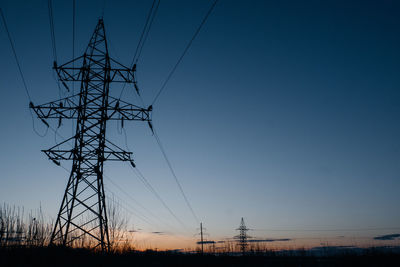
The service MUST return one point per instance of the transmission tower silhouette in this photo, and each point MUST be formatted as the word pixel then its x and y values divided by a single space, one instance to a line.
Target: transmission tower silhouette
pixel 202 240
pixel 83 214
pixel 242 237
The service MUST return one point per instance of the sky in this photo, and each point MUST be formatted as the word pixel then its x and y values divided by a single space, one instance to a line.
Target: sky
pixel 286 113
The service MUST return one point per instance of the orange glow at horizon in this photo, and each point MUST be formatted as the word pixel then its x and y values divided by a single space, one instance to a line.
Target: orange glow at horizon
pixel 164 241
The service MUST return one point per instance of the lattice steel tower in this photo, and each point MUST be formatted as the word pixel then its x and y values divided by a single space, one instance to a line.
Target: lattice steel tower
pixel 83 211
pixel 242 237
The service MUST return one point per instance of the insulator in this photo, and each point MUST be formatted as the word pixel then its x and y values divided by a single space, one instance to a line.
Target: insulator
pixel 56 162
pixel 31 104
pixel 59 122
pixel 45 122
pixel 122 122
pixel 117 105
pixel 136 88
pixel 151 126
pixel 61 104
pixel 133 164
pixel 55 65
pixel 65 85
pixel 150 108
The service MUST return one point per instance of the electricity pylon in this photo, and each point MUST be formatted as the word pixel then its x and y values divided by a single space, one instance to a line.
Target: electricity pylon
pixel 201 236
pixel 242 237
pixel 82 214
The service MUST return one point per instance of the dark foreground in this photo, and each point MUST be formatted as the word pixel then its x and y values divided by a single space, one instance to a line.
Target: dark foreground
pixel 79 257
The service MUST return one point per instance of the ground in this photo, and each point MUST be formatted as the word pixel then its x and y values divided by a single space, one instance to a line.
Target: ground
pixel 78 257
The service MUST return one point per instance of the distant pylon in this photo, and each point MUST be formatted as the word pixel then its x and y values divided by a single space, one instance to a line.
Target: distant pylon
pixel 202 241
pixel 82 215
pixel 242 237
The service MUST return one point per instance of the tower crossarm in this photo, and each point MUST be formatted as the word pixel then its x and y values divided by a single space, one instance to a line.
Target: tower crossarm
pixel 119 109
pixel 96 67
pixel 64 108
pixel 112 152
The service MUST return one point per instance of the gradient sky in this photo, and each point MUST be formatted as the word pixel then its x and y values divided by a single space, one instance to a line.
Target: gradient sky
pixel 286 113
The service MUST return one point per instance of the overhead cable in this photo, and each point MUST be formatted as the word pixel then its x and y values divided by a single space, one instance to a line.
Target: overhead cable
pixel 174 175
pixel 15 55
pixel 146 183
pixel 51 23
pixel 147 32
pixel 185 51
pixel 20 73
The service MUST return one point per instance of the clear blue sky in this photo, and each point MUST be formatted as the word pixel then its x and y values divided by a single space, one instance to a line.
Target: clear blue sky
pixel 286 113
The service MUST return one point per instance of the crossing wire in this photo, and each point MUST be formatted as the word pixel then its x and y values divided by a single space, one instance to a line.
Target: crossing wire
pixel 140 175
pixel 73 54
pixel 147 31
pixel 137 202
pixel 174 175
pixel 152 190
pixel 185 51
pixel 20 73
pixel 329 230
pixel 53 41
pixel 147 185
pixel 15 56
pixel 120 188
pixel 144 181
pixel 73 43
pixel 140 216
pixel 128 208
pixel 52 35
pixel 144 34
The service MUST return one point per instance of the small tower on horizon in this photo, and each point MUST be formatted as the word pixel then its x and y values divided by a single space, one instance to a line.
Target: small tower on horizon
pixel 242 237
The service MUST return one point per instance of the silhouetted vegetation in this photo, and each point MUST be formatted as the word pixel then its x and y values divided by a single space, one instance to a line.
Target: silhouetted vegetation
pixel 24 240
pixel 18 229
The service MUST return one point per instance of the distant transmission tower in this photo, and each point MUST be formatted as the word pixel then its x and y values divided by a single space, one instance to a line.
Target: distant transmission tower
pixel 83 214
pixel 242 237
pixel 202 240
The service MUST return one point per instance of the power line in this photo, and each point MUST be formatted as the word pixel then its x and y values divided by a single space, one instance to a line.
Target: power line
pixel 73 42
pixel 174 175
pixel 73 53
pixel 15 55
pixel 328 230
pixel 143 31
pixel 52 35
pixel 184 51
pixel 143 37
pixel 133 208
pixel 119 187
pixel 154 192
pixel 53 40
pixel 134 200
pixel 148 30
pixel 143 180
pixel 20 73
pixel 141 217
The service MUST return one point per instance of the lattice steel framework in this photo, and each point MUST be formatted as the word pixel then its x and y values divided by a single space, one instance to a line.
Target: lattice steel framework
pixel 83 214
pixel 242 237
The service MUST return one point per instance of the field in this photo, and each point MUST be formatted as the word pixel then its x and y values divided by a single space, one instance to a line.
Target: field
pixel 23 256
